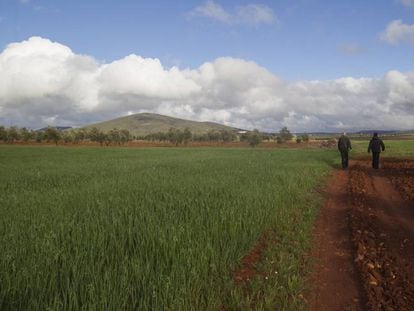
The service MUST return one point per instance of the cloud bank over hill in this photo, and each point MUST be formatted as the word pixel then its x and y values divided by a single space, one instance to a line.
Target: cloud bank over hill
pixel 46 83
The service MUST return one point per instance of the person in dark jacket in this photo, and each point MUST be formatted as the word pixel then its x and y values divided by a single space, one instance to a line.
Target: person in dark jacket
pixel 376 145
pixel 344 145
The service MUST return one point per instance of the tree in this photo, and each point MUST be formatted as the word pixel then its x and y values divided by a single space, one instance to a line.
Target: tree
pixel 254 138
pixel 67 137
pixel 267 137
pixel 114 136
pixel 227 135
pixel 200 137
pixel 213 135
pixel 79 136
pixel 52 134
pixel 187 136
pixel 175 136
pixel 244 137
pixel 279 140
pixel 96 135
pixel 285 134
pixel 125 136
pixel 3 133
pixel 25 134
pixel 93 134
pixel 305 137
pixel 12 134
pixel 160 136
pixel 39 136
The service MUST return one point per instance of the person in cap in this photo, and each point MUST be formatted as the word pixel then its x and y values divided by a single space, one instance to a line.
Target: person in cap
pixel 376 145
pixel 344 145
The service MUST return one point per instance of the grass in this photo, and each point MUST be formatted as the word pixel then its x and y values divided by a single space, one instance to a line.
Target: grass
pixel 393 148
pixel 153 229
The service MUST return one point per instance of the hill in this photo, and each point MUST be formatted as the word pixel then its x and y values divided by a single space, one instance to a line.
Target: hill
pixel 142 124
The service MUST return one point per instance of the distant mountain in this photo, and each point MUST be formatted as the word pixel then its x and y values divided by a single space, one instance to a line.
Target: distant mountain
pixel 142 124
pixel 361 133
pixel 380 132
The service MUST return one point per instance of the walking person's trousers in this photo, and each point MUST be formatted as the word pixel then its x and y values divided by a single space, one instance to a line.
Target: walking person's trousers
pixel 375 159
pixel 344 158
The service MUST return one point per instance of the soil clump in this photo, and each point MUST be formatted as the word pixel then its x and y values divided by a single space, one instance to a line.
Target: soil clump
pixel 364 239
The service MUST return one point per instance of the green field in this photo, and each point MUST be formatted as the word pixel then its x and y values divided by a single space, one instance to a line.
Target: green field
pixel 393 148
pixel 154 229
pixel 158 229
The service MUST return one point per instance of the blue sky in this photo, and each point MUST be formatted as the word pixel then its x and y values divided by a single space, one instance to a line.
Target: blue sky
pixel 309 65
pixel 307 39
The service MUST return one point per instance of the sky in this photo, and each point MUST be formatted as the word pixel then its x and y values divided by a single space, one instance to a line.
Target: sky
pixel 309 65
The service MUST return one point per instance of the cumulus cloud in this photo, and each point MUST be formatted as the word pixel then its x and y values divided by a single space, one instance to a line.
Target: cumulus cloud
pixel 145 77
pixel 398 32
pixel 250 14
pixel 46 83
pixel 37 69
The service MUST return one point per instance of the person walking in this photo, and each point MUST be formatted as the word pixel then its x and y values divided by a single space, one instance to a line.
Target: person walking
pixel 376 145
pixel 344 145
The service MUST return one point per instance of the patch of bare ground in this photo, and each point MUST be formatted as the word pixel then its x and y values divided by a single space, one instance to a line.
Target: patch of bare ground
pixel 334 283
pixel 382 223
pixel 247 269
pixel 364 239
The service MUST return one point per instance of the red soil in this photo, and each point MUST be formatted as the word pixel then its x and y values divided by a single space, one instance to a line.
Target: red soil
pixel 247 269
pixel 364 240
pixel 335 282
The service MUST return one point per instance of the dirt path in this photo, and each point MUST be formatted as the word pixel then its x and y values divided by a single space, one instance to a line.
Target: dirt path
pixel 364 240
pixel 335 283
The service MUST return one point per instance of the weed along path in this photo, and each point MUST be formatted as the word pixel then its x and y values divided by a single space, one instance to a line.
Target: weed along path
pixel 364 239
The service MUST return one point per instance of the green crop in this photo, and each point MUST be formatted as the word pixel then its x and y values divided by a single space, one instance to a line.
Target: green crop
pixel 154 229
pixel 393 148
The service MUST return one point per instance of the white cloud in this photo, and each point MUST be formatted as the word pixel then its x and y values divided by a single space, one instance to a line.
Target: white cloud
pixel 39 68
pixel 213 10
pixel 145 77
pixel 250 14
pixel 398 32
pixel 44 82
pixel 409 3
pixel 255 14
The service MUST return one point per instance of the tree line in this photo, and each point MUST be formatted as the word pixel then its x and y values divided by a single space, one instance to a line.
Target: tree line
pixel 177 136
pixel 121 136
pixel 255 137
pixel 76 136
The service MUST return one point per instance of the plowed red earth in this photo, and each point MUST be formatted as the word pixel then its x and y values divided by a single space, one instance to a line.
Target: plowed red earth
pixel 364 239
